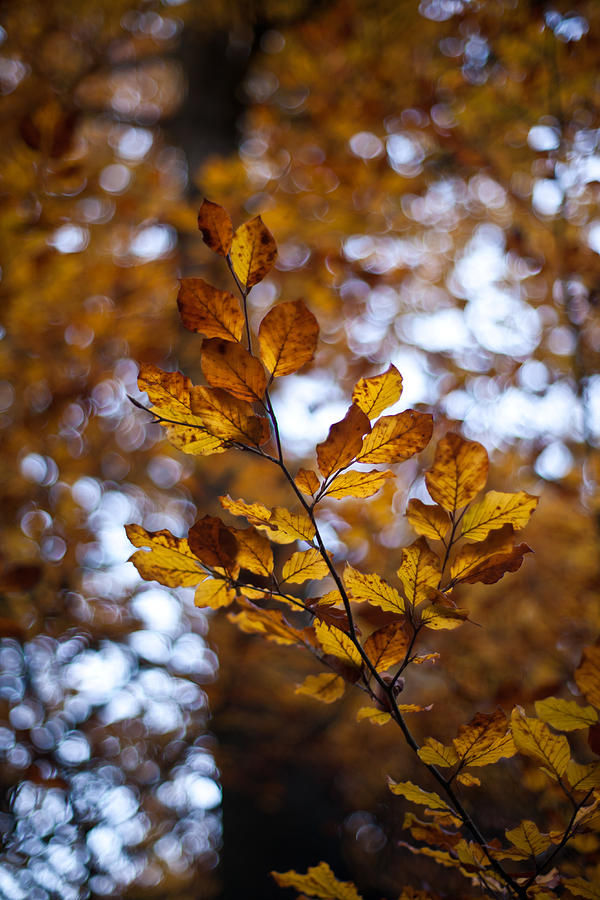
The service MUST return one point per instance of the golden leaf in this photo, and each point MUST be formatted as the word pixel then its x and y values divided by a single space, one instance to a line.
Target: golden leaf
pixel 305 565
pixel 206 310
pixel 489 560
pixel 357 484
pixel 291 526
pixel 495 510
pixel 374 715
pixel 396 438
pixel 459 472
pixel 420 570
pixel 229 418
pixel 338 644
pixel 583 777
pixel 216 227
pixel 268 622
pixel 254 551
pixel 257 514
pixel 565 715
pixel 372 589
pixel 319 881
pixel 169 561
pixel 213 542
pixel 326 687
pixel 287 337
pixel 230 366
pixel 194 439
pixel 253 252
pixel 434 753
pixel 343 441
pixel 468 780
pixel 527 838
pixel 307 482
pixel 214 593
pixel 484 740
pixel 580 887
pixel 587 676
pixel 440 617
pixel 416 794
pixel 534 739
pixel 375 394
pixel 429 521
pixel 387 646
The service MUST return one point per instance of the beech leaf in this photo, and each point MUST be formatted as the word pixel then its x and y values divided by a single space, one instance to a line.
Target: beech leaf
pixel 587 676
pixel 534 739
pixel 229 418
pixel 387 646
pixel 268 622
pixel 429 521
pixel 253 252
pixel 496 509
pixel 416 794
pixel 305 565
pixel 565 715
pixel 287 337
pixel 319 881
pixel 214 593
pixel 336 643
pixel 357 484
pixel 254 551
pixel 375 394
pixel 230 366
pixel 343 441
pixel 396 438
pixel 307 482
pixel 206 310
pixel 213 542
pixel 216 228
pixel 372 589
pixel 169 560
pixel 459 472
pixel 420 570
pixel 489 560
pixel 326 687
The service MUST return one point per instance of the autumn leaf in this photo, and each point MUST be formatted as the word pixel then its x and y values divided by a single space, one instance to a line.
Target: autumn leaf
pixel 206 310
pixel 343 441
pixel 434 753
pixel 534 739
pixel 375 394
pixel 440 617
pixel 373 715
pixel 420 570
pixel 416 794
pixel 287 338
pixel 268 622
pixel 565 715
pixel 228 418
pixel 587 676
pixel 213 542
pixel 396 438
pixel 583 777
pixel 372 589
pixel 216 228
pixel 528 839
pixel 305 565
pixel 291 526
pixel 336 643
pixel 169 560
pixel 429 521
pixel 459 472
pixel 253 252
pixel 387 646
pixel 319 881
pixel 257 515
pixel 580 887
pixel 494 511
pixel 357 484
pixel 230 366
pixel 489 560
pixel 484 740
pixel 326 687
pixel 254 551
pixel 214 593
pixel 307 482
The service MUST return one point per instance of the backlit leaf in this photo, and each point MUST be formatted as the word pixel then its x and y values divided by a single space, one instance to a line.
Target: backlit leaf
pixel 416 794
pixel 396 438
pixel 206 310
pixel 228 417
pixel 307 482
pixel 254 551
pixel 527 838
pixel 534 739
pixel 326 687
pixel 343 441
pixel 319 881
pixel 489 560
pixel 214 593
pixel 484 740
pixel 387 646
pixel 169 561
pixel 338 644
pixel 375 394
pixel 372 589
pixel 257 514
pixel 287 337
pixel 468 780
pixel 580 887
pixel 583 777
pixel 374 715
pixel 420 570
pixel 443 618
pixel 213 542
pixel 230 366
pixel 459 472
pixel 565 715
pixel 215 224
pixel 434 753
pixel 357 484
pixel 587 676
pixel 291 526
pixel 268 622
pixel 429 521
pixel 494 511
pixel 194 439
pixel 253 252
pixel 305 565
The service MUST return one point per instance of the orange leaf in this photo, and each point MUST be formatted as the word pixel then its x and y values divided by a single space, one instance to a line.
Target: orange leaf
pixel 357 484
pixel 420 570
pixel 485 740
pixel 396 438
pixel 459 472
pixel 253 252
pixel 230 366
pixel 257 514
pixel 319 881
pixel 287 337
pixel 489 560
pixel 343 441
pixel 254 551
pixel 206 310
pixel 387 646
pixel 430 521
pixel 213 542
pixel 229 418
pixel 375 394
pixel 307 482
pixel 216 227
pixel 326 687
pixel 268 622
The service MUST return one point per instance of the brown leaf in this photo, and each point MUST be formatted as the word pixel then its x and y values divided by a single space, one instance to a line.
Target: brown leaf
pixel 387 646
pixel 230 366
pixel 215 224
pixel 587 676
pixel 287 337
pixel 459 472
pixel 206 310
pixel 253 252
pixel 489 560
pixel 254 551
pixel 343 441
pixel 213 542
pixel 396 438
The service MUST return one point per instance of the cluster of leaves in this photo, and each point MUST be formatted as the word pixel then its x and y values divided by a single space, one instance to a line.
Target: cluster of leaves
pixel 462 540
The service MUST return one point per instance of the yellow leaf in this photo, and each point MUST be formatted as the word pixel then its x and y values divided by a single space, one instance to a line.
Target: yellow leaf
pixel 343 441
pixel 268 622
pixel 213 542
pixel 565 715
pixel 434 753
pixel 396 438
pixel 587 675
pixel 420 570
pixel 229 418
pixel 206 310
pixel 580 887
pixel 583 777
pixel 375 394
pixel 254 551
pixel 527 838
pixel 374 715
pixel 287 337
pixel 534 739
pixel 214 593
pixel 357 484
pixel 216 227
pixel 230 366
pixel 494 511
pixel 387 646
pixel 372 589
pixel 429 521
pixel 440 617
pixel 416 794
pixel 194 439
pixel 291 526
pixel 257 514
pixel 307 482
pixel 253 252
pixel 326 687
pixel 468 780
pixel 170 560
pixel 338 644
pixel 489 560
pixel 305 565
pixel 459 472
pixel 484 740
pixel 319 881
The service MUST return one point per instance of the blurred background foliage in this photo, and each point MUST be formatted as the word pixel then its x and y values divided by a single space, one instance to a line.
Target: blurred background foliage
pixel 431 174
